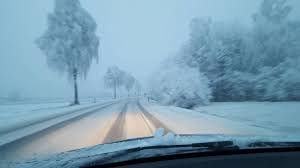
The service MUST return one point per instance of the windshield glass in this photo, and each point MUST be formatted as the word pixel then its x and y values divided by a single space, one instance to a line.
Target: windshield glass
pixel 76 74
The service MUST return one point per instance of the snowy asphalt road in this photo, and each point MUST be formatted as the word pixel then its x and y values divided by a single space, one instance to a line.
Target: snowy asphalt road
pixel 81 130
pixel 108 123
pixel 119 121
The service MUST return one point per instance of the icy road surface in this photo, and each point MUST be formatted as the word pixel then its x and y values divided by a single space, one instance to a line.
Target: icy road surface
pixel 116 121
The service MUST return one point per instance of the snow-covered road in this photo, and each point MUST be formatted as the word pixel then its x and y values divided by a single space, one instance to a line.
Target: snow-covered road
pixel 134 121
pixel 125 119
pixel 104 123
pixel 76 130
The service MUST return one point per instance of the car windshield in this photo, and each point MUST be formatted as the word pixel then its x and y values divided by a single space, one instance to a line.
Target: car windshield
pixel 78 74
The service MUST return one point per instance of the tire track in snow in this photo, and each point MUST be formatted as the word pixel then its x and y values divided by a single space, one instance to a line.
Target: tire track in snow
pixel 116 132
pixel 156 122
pixel 146 122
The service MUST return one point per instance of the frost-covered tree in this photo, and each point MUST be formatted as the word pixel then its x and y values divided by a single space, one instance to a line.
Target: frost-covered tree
pixel 248 64
pixel 258 63
pixel 217 50
pixel 137 87
pixel 276 41
pixel 180 85
pixel 271 33
pixel 275 11
pixel 114 78
pixel 199 49
pixel 129 82
pixel 70 41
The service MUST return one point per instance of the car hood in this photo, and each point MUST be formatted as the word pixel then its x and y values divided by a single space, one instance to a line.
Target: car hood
pixel 158 145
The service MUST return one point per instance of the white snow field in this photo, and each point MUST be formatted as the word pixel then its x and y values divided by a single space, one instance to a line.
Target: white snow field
pixel 240 118
pixel 215 122
pixel 85 132
pixel 14 115
pixel 17 121
pixel 281 117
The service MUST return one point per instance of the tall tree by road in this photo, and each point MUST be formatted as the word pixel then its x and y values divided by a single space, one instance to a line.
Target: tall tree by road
pixel 129 83
pixel 70 42
pixel 114 78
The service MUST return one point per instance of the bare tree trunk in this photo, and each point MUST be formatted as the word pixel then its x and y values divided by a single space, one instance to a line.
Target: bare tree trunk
pixel 115 90
pixel 75 73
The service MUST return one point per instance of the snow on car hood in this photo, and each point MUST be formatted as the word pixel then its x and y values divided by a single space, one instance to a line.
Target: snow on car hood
pixel 80 157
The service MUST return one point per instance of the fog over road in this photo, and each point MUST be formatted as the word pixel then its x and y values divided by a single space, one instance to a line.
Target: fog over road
pixel 113 122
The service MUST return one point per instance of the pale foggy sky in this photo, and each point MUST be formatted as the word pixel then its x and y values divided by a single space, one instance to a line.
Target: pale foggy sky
pixel 136 35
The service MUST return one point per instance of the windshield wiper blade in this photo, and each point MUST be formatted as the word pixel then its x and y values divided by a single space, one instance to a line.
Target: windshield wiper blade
pixel 177 151
pixel 215 145
pixel 186 148
pixel 162 150
pixel 262 144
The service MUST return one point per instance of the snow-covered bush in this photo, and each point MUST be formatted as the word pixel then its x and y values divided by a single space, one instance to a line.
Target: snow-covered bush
pixel 181 86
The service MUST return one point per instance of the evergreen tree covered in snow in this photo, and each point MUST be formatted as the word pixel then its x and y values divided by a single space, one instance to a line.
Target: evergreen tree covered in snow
pixel 70 41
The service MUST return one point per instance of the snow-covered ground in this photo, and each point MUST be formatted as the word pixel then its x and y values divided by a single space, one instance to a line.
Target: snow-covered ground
pixel 85 132
pixel 13 116
pixel 239 118
pixel 6 101
pixel 282 117
pixel 217 121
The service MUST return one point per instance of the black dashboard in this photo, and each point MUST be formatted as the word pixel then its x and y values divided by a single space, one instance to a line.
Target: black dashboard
pixel 254 158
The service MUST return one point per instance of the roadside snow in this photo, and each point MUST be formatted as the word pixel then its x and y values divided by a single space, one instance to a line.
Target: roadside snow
pixel 184 121
pixel 282 117
pixel 84 132
pixel 208 126
pixel 17 124
pixel 14 116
